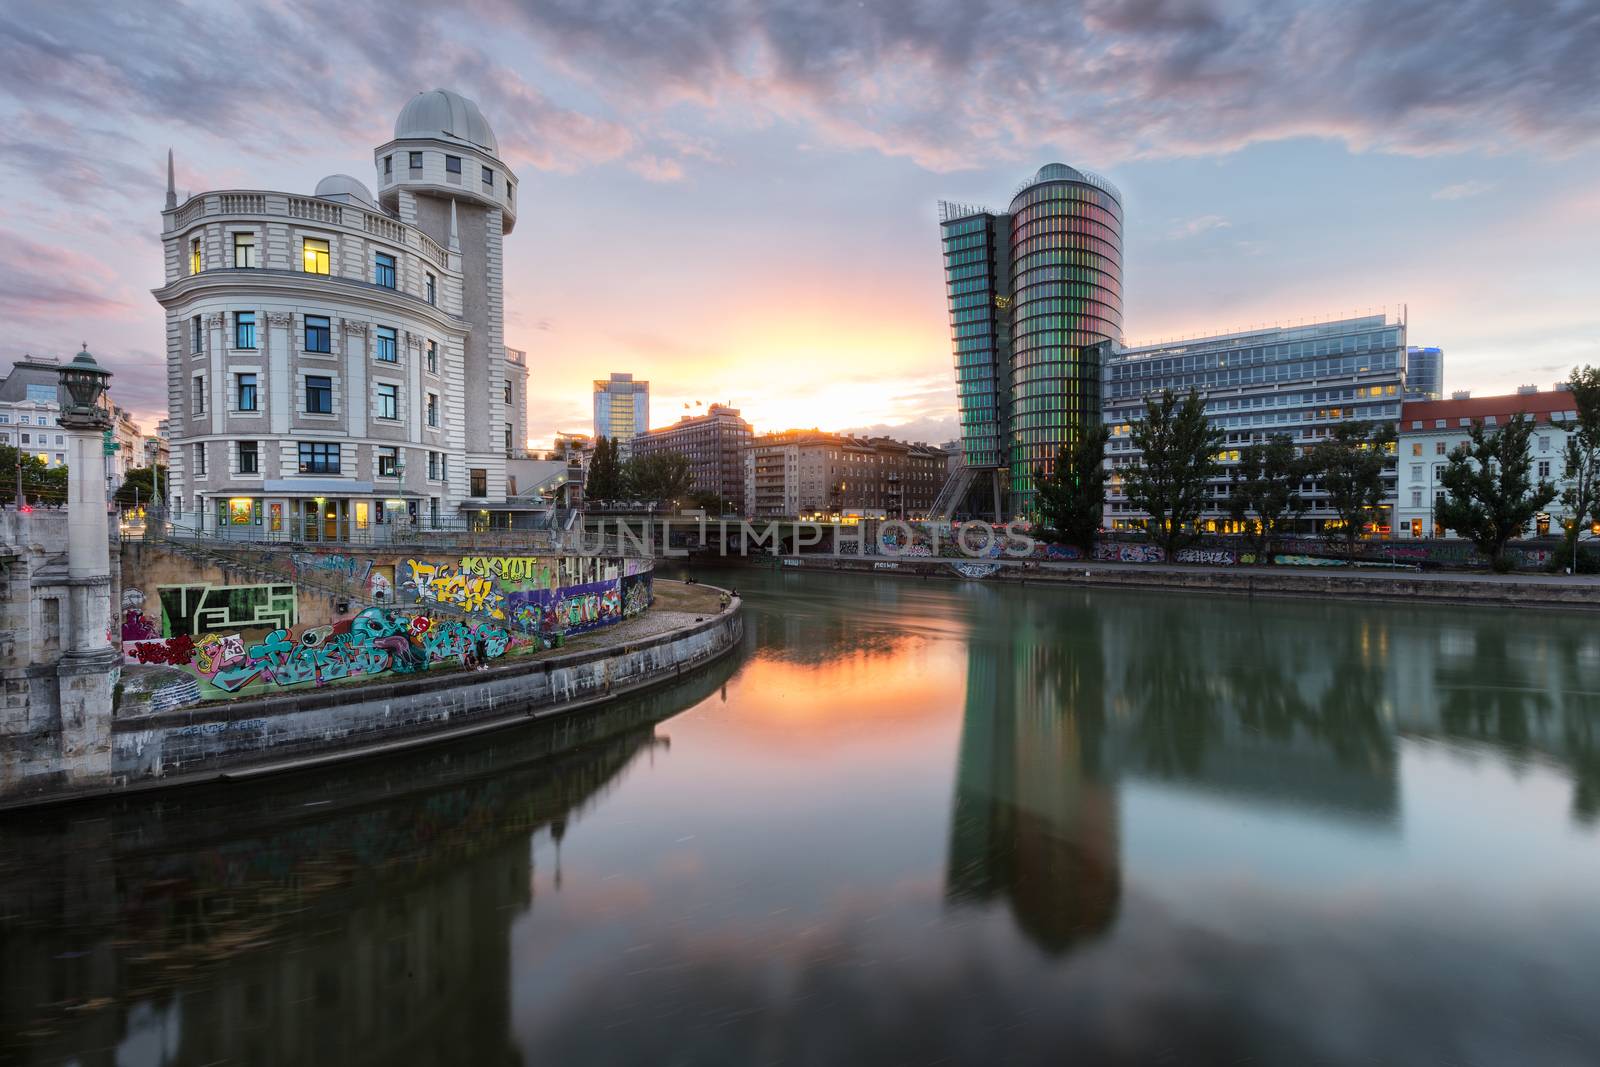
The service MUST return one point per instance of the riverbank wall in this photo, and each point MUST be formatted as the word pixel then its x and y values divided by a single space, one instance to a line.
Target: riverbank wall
pixel 1553 592
pixel 301 729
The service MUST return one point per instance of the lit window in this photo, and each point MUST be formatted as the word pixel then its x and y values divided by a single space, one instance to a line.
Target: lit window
pixel 385 346
pixel 383 270
pixel 244 250
pixel 319 333
pixel 388 401
pixel 194 256
pixel 314 256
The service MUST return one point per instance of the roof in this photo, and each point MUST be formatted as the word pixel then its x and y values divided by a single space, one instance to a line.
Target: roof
pixel 444 113
pixel 14 386
pixel 1539 405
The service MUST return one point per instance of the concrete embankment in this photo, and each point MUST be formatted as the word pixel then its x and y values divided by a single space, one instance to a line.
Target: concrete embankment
pixel 308 727
pixel 1559 592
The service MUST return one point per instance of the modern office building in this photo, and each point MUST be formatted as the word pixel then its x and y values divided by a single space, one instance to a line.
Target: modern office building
pixel 807 472
pixel 1424 373
pixel 337 361
pixel 1430 430
pixel 621 408
pixel 1297 381
pixel 714 444
pixel 1031 291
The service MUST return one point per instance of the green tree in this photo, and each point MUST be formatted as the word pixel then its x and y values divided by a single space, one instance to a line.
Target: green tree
pixel 1581 497
pixel 41 483
pixel 1169 481
pixel 1265 490
pixel 604 482
pixel 1491 497
pixel 1351 465
pixel 139 487
pixel 660 476
pixel 1071 493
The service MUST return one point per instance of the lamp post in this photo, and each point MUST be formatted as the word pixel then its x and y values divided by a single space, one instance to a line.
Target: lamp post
pixel 88 670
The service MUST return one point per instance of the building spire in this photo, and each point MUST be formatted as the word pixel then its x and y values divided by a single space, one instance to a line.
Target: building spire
pixel 172 188
pixel 455 238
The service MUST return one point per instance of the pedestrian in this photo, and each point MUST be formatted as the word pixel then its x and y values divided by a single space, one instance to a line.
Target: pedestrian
pixel 480 649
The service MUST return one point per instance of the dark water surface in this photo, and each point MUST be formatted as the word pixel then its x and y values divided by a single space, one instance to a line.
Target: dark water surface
pixel 916 823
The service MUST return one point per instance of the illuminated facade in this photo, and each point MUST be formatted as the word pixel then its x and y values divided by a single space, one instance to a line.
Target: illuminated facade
pixel 1031 292
pixel 621 408
pixel 1299 381
pixel 800 473
pixel 336 362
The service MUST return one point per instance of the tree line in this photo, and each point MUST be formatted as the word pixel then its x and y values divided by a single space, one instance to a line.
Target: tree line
pixel 659 476
pixel 1490 494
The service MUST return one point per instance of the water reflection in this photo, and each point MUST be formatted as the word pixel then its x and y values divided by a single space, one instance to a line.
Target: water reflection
pixel 354 915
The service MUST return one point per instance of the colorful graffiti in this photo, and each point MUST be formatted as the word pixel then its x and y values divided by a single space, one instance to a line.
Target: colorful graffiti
pixel 197 609
pixel 1129 553
pixel 439 583
pixel 136 625
pixel 1216 557
pixel 534 595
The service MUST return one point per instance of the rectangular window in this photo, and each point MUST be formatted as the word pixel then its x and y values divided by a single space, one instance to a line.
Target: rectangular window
pixel 383 270
pixel 244 329
pixel 315 256
pixel 433 466
pixel 508 437
pixel 246 388
pixel 433 511
pixel 318 334
pixel 488 178
pixel 249 458
pixel 433 409
pixel 319 395
pixel 432 290
pixel 319 457
pixel 388 401
pixel 199 459
pixel 194 256
pixel 1438 448
pixel 385 349
pixel 508 390
pixel 1544 468
pixel 452 165
pixel 480 482
pixel 1416 448
pixel 388 165
pixel 1416 498
pixel 416 160
pixel 388 462
pixel 1544 443
pixel 197 340
pixel 197 405
pixel 433 357
pixel 244 250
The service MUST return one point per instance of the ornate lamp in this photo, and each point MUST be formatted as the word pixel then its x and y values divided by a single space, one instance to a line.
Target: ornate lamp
pixel 85 382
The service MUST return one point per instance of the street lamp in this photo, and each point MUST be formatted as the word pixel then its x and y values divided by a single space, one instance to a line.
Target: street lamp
pixel 85 382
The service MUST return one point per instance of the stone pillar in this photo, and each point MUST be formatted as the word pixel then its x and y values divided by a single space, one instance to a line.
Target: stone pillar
pixel 90 668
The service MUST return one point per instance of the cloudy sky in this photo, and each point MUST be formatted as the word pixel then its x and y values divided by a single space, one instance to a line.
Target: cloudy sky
pixel 737 199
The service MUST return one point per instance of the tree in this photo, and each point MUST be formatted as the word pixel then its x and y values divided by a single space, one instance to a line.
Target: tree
pixel 1491 497
pixel 1265 490
pixel 604 481
pixel 1351 465
pixel 41 483
pixel 1581 497
pixel 138 487
pixel 1170 479
pixel 660 476
pixel 1071 494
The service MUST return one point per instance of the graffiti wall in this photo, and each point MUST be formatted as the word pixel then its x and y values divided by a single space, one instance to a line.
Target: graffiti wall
pixel 236 637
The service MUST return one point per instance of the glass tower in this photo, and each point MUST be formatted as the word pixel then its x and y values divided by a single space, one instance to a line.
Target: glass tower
pixel 1424 373
pixel 1033 293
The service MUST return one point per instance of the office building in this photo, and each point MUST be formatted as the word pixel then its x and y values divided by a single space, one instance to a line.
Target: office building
pixel 1424 373
pixel 621 408
pixel 337 360
pixel 1032 291
pixel 1297 381
pixel 30 402
pixel 714 444
pixel 806 473
pixel 1430 430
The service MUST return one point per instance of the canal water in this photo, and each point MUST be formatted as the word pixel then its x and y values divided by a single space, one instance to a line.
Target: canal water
pixel 914 822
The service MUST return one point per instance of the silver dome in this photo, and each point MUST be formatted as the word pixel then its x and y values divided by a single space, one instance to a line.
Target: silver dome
pixel 345 188
pixel 443 113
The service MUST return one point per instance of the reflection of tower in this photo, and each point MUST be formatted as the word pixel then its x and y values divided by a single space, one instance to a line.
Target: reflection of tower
pixel 1035 821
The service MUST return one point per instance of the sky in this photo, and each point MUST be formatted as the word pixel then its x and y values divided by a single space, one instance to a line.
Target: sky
pixel 737 200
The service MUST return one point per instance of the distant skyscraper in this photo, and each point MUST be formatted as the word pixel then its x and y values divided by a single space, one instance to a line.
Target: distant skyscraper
pixel 1032 291
pixel 621 407
pixel 1424 373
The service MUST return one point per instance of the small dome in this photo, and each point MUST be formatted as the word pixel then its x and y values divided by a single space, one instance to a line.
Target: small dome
pixel 447 114
pixel 344 188
pixel 1057 172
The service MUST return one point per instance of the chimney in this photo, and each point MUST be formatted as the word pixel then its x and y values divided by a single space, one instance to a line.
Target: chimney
pixel 1561 387
pixel 1527 390
pixel 1461 394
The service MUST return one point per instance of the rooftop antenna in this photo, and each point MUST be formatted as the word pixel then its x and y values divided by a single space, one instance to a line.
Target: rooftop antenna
pixel 172 189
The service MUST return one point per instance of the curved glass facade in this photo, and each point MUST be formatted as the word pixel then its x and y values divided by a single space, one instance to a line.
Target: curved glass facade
pixel 977 275
pixel 1066 297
